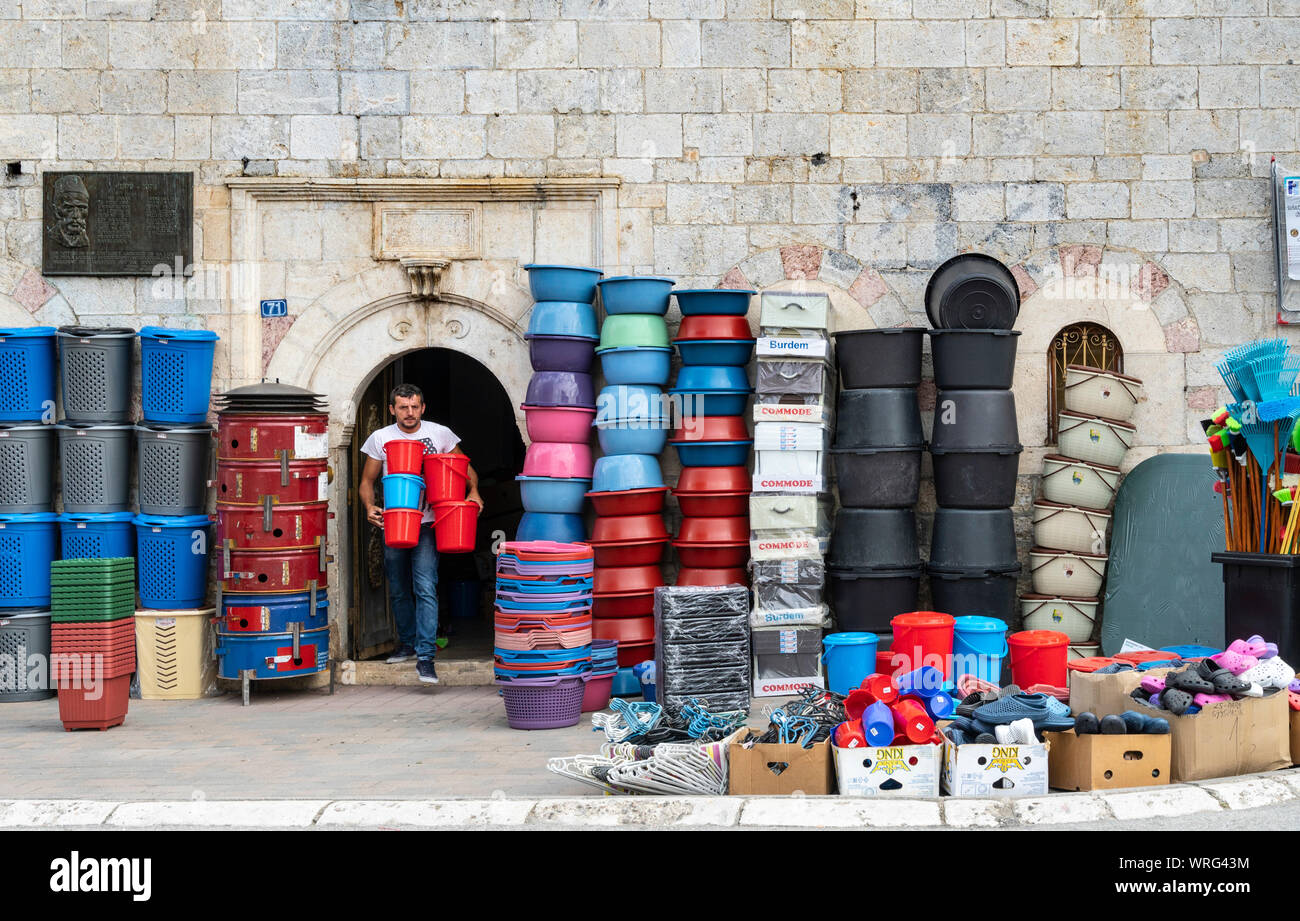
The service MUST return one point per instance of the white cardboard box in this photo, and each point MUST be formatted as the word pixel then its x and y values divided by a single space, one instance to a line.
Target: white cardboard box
pixel 889 771
pixel 994 770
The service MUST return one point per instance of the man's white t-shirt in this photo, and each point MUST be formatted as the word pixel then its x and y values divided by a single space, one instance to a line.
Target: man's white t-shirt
pixel 438 439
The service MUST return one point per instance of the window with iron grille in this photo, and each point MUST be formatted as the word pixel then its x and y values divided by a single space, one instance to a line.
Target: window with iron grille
pixel 1089 344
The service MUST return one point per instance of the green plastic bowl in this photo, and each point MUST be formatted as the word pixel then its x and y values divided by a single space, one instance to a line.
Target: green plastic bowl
pixel 639 330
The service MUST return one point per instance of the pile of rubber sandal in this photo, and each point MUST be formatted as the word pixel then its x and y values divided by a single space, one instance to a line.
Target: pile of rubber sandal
pixel 1247 668
pixel 1008 716
pixel 1130 722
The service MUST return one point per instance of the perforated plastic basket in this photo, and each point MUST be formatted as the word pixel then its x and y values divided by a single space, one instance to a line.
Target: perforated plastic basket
pixel 97 537
pixel 175 373
pixel 96 462
pixel 172 553
pixel 28 544
pixel 95 369
pixel 173 468
pixel 24 633
pixel 26 468
pixel 27 373
pixel 543 705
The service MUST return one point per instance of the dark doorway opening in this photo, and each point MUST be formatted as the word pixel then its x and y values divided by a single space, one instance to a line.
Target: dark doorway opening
pixel 465 396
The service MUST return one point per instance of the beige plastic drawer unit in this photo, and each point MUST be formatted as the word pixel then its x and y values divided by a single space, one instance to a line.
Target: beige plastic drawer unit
pixel 788 513
pixel 787 310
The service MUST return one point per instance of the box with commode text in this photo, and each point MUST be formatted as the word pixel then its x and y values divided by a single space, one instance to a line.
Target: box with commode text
pixel 994 770
pixel 889 771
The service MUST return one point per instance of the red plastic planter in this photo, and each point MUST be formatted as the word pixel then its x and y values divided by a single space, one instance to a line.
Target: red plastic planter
pixel 107 709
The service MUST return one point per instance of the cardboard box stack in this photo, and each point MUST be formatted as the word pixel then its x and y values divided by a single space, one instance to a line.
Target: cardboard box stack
pixel 789 507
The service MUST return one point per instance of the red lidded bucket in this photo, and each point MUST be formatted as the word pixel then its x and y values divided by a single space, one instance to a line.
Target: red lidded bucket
pixel 923 638
pixel 1038 657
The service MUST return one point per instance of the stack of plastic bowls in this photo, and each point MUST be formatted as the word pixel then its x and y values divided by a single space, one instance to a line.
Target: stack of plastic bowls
pixel 560 404
pixel 542 649
pixel 600 681
pixel 634 347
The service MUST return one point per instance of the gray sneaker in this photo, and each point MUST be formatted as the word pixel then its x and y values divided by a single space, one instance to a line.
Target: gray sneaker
pixel 403 653
pixel 426 672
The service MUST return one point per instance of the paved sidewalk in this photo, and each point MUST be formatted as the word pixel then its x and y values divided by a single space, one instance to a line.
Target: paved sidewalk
pixel 364 742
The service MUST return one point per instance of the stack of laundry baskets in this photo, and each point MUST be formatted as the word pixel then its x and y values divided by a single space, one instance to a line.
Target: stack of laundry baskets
pixel 632 419
pixel 560 404
pixel 272 529
pixel 1071 519
pixel 543 646
pixel 711 436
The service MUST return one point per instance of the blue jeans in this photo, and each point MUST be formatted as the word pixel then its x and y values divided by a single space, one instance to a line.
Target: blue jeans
pixel 413 591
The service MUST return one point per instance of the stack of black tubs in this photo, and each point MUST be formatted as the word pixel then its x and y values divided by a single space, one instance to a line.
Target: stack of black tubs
pixel 975 443
pixel 874 566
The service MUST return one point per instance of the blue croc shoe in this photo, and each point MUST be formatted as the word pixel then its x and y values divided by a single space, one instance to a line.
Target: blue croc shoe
pixel 1033 707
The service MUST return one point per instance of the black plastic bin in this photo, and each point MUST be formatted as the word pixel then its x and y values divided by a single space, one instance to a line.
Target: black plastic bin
pixel 868 599
pixel 879 357
pixel 878 418
pixel 985 592
pixel 874 539
pixel 973 359
pixel 877 477
pixel 976 478
pixel 1261 595
pixel 965 539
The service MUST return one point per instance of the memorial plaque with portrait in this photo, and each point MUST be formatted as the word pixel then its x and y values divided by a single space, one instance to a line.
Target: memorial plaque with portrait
pixel 100 223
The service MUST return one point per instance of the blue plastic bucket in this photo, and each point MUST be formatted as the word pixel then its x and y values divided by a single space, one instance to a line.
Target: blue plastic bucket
pixel 27 363
pixel 979 644
pixel 849 658
pixel 172 560
pixel 176 373
pixel 462 597
pixel 97 537
pixel 403 490
pixel 28 544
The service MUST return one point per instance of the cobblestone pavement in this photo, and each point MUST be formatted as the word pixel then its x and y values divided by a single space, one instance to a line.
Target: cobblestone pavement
pixel 363 742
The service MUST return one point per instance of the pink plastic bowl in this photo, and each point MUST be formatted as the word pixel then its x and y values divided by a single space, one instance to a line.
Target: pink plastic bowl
pixel 563 424
pixel 558 459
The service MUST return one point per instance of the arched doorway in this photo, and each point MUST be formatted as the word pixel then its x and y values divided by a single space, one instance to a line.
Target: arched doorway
pixel 466 396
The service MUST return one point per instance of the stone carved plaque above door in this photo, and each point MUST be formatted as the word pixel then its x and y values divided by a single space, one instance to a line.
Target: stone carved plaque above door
pixel 416 229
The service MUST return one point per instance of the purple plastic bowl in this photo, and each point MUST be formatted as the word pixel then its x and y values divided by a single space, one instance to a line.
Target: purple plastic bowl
pixel 561 388
pixel 561 353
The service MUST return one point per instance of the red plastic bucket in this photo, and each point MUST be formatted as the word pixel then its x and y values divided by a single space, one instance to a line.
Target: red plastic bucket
pixel 444 478
pixel 911 722
pixel 923 638
pixel 455 525
pixel 405 456
pixel 1038 657
pixel 402 527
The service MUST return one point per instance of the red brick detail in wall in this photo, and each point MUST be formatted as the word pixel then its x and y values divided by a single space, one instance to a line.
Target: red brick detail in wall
pixel 1183 336
pixel 1080 260
pixel 1150 282
pixel 1203 398
pixel 274 330
pixel 32 291
pixel 801 261
pixel 868 287
pixel 1024 281
pixel 734 279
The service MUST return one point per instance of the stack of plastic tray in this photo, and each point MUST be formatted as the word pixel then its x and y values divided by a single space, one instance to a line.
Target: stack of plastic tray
pixel 702 646
pixel 93 640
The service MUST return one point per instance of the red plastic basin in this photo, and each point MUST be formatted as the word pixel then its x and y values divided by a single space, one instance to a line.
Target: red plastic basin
pixel 630 632
pixel 610 580
pixel 713 479
pixel 714 326
pixel 731 530
pixel 714 505
pixel 629 552
pixel 711 556
pixel 623 604
pixel 629 501
pixel 688 575
pixel 628 528
pixel 711 428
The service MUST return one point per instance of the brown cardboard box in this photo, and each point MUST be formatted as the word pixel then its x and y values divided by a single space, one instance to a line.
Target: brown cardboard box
pixel 773 769
pixel 1223 740
pixel 1105 762
pixel 1295 737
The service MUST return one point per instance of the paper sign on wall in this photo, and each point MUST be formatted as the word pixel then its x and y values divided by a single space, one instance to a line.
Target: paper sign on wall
pixel 1291 204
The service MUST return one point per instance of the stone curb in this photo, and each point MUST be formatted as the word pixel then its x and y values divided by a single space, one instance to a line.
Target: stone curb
pixel 1249 791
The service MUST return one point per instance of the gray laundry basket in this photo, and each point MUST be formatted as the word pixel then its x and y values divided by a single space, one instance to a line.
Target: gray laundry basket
pixel 26 468
pixel 172 461
pixel 95 371
pixel 24 634
pixel 96 462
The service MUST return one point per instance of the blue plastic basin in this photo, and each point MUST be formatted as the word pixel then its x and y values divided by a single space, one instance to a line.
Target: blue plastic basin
pixel 553 495
pixel 713 453
pixel 563 318
pixel 631 436
pixel 636 365
pixel 619 472
pixel 715 351
pixel 562 528
pixel 562 282
pixel 635 294
pixel 729 302
pixel 713 402
pixel 644 402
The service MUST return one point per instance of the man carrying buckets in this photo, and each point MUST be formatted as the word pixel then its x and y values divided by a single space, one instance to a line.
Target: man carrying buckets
pixel 412 572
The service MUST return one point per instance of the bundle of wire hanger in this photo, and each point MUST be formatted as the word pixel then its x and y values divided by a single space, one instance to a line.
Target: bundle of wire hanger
pixel 647 724
pixel 805 721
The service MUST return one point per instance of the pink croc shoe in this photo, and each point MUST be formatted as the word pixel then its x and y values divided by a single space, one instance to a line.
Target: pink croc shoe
pixel 1204 700
pixel 1153 684
pixel 1254 646
pixel 1234 662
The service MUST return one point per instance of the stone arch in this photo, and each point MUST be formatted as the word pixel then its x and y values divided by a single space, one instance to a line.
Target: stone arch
pixel 1129 294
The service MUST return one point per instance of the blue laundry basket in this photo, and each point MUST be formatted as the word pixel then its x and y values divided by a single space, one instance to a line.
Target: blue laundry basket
pixel 172 560
pixel 97 537
pixel 27 379
pixel 28 544
pixel 176 373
